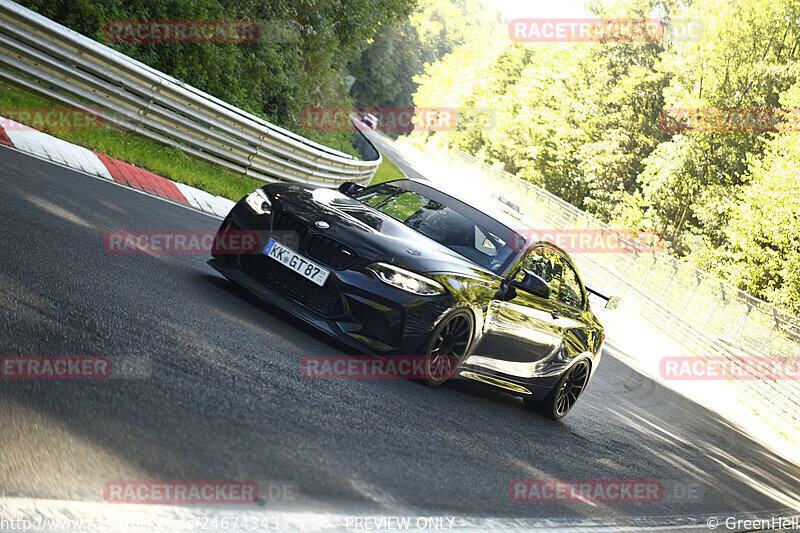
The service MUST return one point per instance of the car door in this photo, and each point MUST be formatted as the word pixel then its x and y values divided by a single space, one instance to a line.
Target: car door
pixel 527 328
pixel 574 320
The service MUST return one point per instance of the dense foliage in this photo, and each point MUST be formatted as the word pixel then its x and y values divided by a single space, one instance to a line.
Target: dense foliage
pixel 584 121
pixel 386 70
pixel 298 60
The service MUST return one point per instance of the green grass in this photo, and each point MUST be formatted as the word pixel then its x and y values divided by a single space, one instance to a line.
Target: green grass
pixel 338 140
pixel 386 172
pixel 163 160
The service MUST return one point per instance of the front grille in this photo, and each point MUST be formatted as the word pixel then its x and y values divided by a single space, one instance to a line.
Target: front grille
pixel 287 222
pixel 325 300
pixel 330 252
pixel 322 300
pixel 320 248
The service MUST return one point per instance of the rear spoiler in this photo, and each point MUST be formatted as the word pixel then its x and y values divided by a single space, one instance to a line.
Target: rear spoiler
pixel 612 302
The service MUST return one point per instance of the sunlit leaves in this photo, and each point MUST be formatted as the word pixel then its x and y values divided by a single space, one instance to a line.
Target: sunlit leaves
pixel 583 122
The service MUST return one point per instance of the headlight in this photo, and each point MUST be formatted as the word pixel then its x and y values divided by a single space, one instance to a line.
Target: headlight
pixel 259 202
pixel 403 279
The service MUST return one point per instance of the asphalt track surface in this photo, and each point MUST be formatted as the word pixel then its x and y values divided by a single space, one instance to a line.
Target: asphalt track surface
pixel 218 393
pixel 386 147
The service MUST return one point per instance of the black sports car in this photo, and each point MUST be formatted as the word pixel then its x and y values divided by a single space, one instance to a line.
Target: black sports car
pixel 404 268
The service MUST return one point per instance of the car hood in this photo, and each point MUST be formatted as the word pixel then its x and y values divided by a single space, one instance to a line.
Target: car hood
pixel 368 230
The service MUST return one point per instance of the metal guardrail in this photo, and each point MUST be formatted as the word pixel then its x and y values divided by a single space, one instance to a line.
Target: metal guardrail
pixel 56 62
pixel 710 317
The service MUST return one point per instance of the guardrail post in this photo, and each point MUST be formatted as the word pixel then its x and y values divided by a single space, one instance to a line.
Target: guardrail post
pixel 669 282
pixel 652 266
pixel 776 322
pixel 738 326
pixel 721 301
pixel 694 291
pixel 634 255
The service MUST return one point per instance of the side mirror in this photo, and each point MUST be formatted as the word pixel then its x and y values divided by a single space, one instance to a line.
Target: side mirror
pixel 349 188
pixel 532 284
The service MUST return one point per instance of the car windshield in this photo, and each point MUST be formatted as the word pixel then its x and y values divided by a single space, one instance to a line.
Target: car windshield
pixel 448 221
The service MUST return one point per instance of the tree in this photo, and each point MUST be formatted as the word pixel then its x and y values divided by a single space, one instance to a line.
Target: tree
pixel 585 121
pixel 762 252
pixel 386 71
pixel 298 61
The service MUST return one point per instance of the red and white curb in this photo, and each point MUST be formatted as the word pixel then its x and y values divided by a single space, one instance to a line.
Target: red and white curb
pixel 61 152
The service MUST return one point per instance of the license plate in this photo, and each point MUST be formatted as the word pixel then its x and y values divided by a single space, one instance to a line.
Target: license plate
pixel 294 261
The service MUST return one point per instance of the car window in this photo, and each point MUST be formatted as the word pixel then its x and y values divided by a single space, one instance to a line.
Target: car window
pixel 446 221
pixel 402 206
pixel 571 293
pixel 375 198
pixel 546 264
pixel 484 243
pixel 554 269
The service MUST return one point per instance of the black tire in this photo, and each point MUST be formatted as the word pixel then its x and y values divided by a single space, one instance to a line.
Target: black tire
pixel 447 346
pixel 565 394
